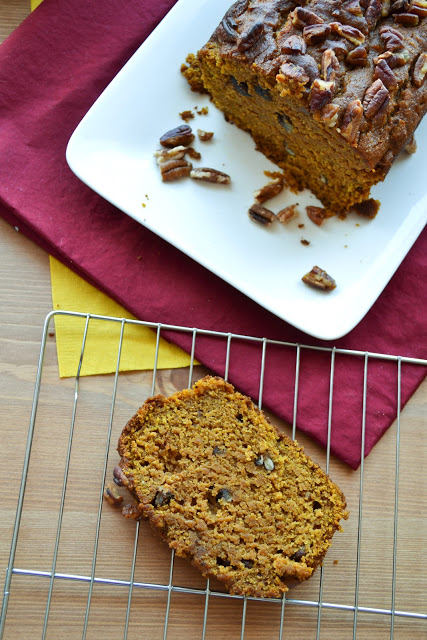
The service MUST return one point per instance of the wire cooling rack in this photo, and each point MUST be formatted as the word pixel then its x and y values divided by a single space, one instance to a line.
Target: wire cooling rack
pixel 78 569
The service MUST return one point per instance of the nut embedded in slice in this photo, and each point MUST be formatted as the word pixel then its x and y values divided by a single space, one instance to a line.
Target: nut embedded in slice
pixel 319 279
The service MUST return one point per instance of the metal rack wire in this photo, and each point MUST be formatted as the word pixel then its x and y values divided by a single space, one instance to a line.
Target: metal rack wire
pixel 415 620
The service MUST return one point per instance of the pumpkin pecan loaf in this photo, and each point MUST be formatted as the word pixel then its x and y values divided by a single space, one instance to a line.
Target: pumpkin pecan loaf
pixel 225 489
pixel 330 91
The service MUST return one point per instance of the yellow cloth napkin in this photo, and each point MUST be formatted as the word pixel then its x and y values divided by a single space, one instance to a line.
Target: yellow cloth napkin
pixel 72 293
pixel 35 3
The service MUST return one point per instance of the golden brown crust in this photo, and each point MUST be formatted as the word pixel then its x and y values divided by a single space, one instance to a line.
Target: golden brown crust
pixel 349 76
pixel 224 488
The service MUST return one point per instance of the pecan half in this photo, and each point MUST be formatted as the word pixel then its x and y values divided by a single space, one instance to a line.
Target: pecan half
pixel 393 39
pixel 385 74
pixel 352 119
pixel 251 37
pixel 175 169
pixel 269 191
pixel 316 33
pixel 210 175
pixel 329 65
pixel 357 57
pixel 182 135
pixel 319 279
pixel 320 94
pixel 316 214
pixel 287 214
pixel 420 70
pixel 293 44
pixel 353 35
pixel 407 19
pixel 339 47
pixel 261 214
pixel 376 97
pixel 302 17
pixel 419 8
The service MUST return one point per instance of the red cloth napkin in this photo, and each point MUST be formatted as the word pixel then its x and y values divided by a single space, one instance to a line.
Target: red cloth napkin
pixel 52 68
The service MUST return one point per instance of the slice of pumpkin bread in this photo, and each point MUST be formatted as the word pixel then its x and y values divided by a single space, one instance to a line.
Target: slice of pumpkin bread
pixel 224 488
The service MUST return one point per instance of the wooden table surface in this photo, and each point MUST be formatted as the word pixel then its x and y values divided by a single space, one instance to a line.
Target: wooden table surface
pixel 359 568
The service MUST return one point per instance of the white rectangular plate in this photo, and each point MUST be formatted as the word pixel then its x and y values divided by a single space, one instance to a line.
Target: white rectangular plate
pixel 112 152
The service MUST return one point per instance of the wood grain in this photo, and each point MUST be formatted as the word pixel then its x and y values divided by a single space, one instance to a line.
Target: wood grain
pixel 25 300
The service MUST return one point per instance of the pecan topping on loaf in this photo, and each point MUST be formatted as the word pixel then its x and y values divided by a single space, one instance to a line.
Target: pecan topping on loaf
pixel 311 76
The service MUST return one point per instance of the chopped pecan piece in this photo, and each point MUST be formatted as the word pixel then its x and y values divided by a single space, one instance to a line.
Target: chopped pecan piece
pixel 293 44
pixel 353 35
pixel 367 208
pixel 175 153
pixel 385 8
pixel 393 39
pixel 175 169
pixel 320 94
pixel 210 175
pixel 305 242
pixel 195 155
pixel 420 70
pixel 293 77
pixel 319 279
pixel 181 135
pixel 352 119
pixel 316 214
pixel 187 115
pixel 358 57
pixel 376 98
pixel 385 74
pixel 287 214
pixel 204 136
pixel 315 33
pixel 407 19
pixel 302 17
pixel 269 191
pixel 261 214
